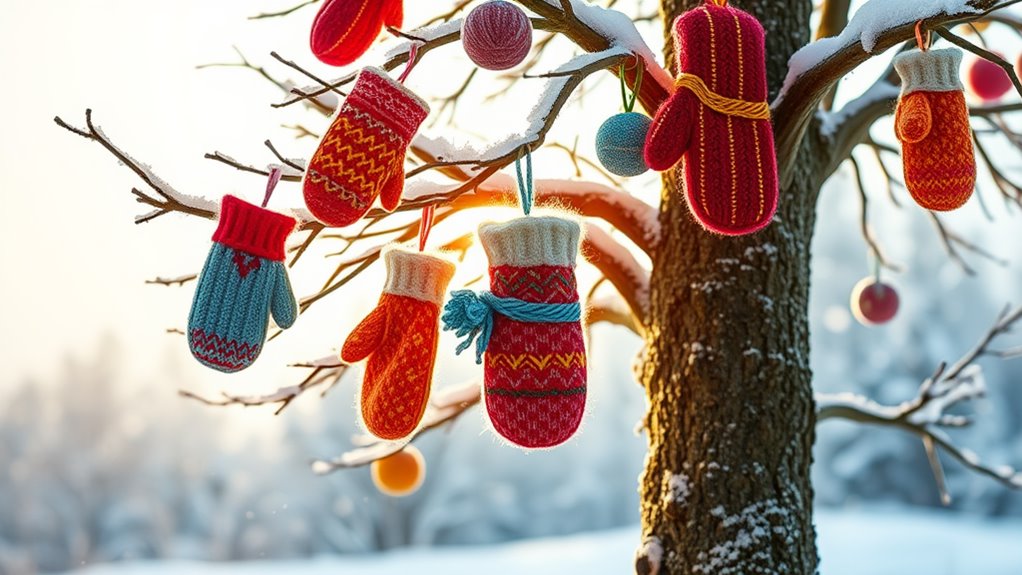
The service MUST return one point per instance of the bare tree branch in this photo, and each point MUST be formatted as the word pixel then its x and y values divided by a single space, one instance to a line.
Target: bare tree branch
pixel 326 371
pixel 927 414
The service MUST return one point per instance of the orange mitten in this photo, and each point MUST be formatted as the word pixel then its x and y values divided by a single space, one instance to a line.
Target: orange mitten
pixel 400 337
pixel 932 123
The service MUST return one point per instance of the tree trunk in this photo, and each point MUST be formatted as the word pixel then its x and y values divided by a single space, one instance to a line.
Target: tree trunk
pixel 726 488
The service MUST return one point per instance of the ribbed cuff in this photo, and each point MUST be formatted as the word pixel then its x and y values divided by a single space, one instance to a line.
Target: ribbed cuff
pixel 531 241
pixel 417 275
pixel 929 71
pixel 396 105
pixel 253 230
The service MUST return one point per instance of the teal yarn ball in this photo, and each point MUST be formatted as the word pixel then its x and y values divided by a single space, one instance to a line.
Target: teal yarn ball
pixel 619 144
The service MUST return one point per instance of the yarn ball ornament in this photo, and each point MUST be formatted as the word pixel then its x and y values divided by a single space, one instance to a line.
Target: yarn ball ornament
pixel 874 302
pixel 497 35
pixel 399 474
pixel 986 80
pixel 620 142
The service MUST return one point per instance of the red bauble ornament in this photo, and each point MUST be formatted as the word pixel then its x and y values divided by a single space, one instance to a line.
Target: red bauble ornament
pixel 986 80
pixel 874 302
pixel 497 35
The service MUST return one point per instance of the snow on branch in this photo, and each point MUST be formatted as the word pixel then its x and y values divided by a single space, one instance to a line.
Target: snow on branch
pixel 325 371
pixel 444 407
pixel 875 27
pixel 927 415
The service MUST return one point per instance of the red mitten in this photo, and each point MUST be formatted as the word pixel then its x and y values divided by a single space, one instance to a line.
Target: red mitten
pixel 399 337
pixel 720 121
pixel 530 329
pixel 344 29
pixel 932 122
pixel 362 154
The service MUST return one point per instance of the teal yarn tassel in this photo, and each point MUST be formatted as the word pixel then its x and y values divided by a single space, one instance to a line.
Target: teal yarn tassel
pixel 471 316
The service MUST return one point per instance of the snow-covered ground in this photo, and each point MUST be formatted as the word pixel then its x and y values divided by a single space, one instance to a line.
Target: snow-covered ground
pixel 869 542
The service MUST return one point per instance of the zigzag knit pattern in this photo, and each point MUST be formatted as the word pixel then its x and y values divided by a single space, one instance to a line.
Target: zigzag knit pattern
pixel 715 120
pixel 224 354
pixel 361 156
pixel 535 373
pixel 932 123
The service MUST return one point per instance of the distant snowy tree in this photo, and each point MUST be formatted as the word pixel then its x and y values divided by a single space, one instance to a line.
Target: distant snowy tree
pixel 732 414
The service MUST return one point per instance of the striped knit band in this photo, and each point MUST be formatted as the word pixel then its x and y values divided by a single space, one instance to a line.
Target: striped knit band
pixel 929 71
pixel 531 241
pixel 417 275
pixel 253 230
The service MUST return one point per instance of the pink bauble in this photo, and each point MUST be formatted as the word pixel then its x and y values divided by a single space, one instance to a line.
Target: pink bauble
pixel 986 80
pixel 874 302
pixel 497 35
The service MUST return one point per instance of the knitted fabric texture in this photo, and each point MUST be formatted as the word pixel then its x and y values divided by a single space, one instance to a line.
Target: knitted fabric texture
pixel 361 156
pixel 344 29
pixel 497 35
pixel 932 123
pixel 400 338
pixel 718 119
pixel 534 374
pixel 620 141
pixel 243 282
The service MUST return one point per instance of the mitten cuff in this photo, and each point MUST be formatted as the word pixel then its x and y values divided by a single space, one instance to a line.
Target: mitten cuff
pixel 253 230
pixel 531 241
pixel 417 275
pixel 396 105
pixel 929 71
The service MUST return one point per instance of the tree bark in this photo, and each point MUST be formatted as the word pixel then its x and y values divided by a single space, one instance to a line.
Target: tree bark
pixel 726 488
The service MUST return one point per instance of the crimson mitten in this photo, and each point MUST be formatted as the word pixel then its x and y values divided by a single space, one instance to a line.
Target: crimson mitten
pixel 362 154
pixel 344 29
pixel 932 123
pixel 400 337
pixel 243 282
pixel 720 121
pixel 529 327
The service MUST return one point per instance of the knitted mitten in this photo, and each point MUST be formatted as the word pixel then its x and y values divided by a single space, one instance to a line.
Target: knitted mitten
pixel 242 283
pixel 932 122
pixel 399 337
pixel 530 329
pixel 362 154
pixel 719 119
pixel 344 29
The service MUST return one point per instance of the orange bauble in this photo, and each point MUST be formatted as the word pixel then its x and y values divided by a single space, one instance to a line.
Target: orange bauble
pixel 399 474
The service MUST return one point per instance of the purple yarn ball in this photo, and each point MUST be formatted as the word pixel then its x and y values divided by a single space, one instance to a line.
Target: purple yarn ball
pixel 497 35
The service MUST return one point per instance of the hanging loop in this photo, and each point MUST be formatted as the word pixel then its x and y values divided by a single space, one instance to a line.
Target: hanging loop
pixel 923 43
pixel 629 102
pixel 413 51
pixel 525 187
pixel 271 184
pixel 426 225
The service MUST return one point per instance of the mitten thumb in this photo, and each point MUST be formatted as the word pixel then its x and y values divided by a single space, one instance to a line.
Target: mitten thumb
pixel 366 337
pixel 283 306
pixel 671 131
pixel 390 194
pixel 913 120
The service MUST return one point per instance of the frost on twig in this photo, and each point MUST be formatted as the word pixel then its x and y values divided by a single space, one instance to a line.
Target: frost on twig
pixel 928 415
pixel 444 407
pixel 326 371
